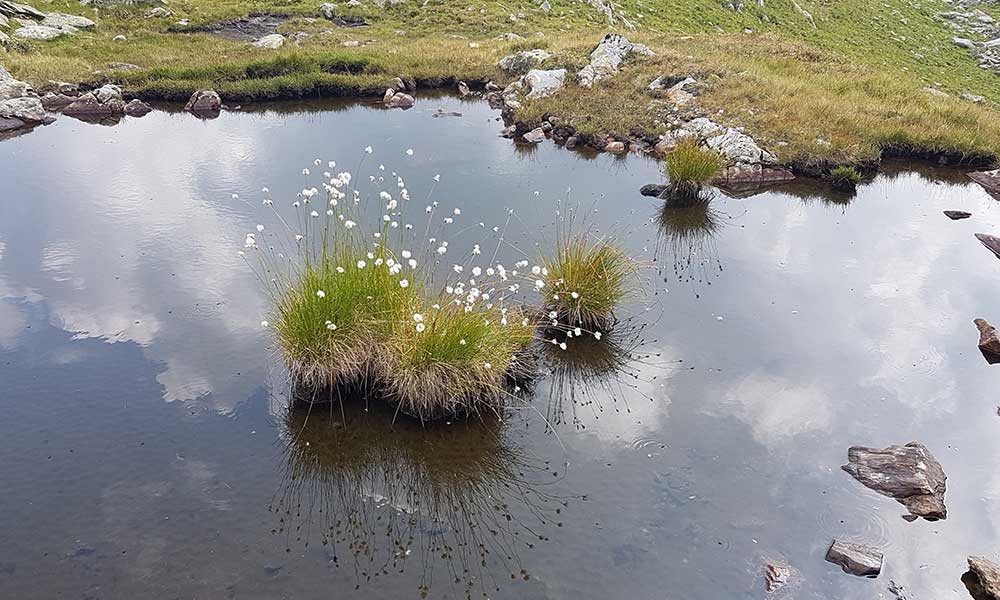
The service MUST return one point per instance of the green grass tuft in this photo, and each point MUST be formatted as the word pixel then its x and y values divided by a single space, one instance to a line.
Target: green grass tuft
pixel 844 178
pixel 586 280
pixel 689 167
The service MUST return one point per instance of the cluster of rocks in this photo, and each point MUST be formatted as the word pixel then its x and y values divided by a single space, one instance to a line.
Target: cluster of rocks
pixel 20 106
pixel 607 58
pixel 968 21
pixel 398 95
pixel 33 24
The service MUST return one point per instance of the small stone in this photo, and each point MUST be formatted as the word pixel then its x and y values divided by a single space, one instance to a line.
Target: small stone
pixel 463 89
pixel 989 341
pixel 956 215
pixel 973 98
pixel 204 101
pixel 856 559
pixel 535 136
pixel 137 108
pixel 652 190
pixel 158 13
pixel 271 42
pixel 776 576
pixel 118 38
pixel 615 147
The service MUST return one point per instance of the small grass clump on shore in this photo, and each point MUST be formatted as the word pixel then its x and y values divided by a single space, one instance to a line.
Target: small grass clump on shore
pixel 688 169
pixel 845 179
pixel 586 280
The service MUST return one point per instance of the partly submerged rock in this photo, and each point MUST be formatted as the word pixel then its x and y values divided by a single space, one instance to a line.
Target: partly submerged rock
pixel 137 108
pixel 652 190
pixel 27 109
pixel 899 591
pixel 991 242
pixel 103 102
pixel 607 58
pixel 989 180
pixel 544 83
pixel 983 578
pixel 56 102
pixel 989 341
pixel 522 62
pixel 909 473
pixel 204 101
pixel 956 215
pixel 399 100
pixel 856 559
pixel 776 576
pixel 535 136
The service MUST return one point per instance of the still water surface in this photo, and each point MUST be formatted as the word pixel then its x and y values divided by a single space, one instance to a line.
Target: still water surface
pixel 146 451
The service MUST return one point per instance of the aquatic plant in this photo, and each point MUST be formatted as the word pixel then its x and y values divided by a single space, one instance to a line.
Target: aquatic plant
pixel 365 302
pixel 844 178
pixel 586 279
pixel 688 168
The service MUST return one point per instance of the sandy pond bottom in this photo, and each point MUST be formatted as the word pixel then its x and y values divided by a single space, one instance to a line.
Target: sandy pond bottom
pixel 146 451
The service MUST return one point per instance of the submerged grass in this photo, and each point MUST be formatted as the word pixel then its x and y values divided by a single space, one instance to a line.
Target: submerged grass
pixel 844 178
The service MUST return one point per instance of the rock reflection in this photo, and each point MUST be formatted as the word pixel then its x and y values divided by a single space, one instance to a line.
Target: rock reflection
pixel 688 234
pixel 461 500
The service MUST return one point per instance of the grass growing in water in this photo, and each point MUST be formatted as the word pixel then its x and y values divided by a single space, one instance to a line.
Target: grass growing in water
pixel 845 179
pixel 586 279
pixel 688 168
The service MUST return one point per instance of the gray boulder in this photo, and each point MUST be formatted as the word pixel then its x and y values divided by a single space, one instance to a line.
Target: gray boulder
pixel 909 473
pixel 12 88
pixel 56 102
pixel 28 109
pixel 39 32
pixel 522 62
pixel 740 149
pixel 535 136
pixel 607 58
pixel 328 10
pixel 544 83
pixel 108 92
pixel 856 559
pixel 991 242
pixel 103 102
pixel 964 43
pixel 271 42
pixel 204 101
pixel 68 22
pixel 14 10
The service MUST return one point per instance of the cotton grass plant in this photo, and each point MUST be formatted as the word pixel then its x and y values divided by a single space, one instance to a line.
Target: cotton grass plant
pixel 689 167
pixel 369 296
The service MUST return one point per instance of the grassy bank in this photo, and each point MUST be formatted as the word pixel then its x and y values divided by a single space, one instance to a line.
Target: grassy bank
pixel 840 87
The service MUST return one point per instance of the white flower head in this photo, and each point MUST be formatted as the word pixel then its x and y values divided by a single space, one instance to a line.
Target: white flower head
pixel 320 294
pixel 264 324
pixel 403 283
pixel 420 327
pixel 409 151
pixel 369 149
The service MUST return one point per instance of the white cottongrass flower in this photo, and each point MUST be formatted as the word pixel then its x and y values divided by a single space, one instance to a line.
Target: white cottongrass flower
pixel 457 211
pixel 409 151
pixel 553 314
pixel 305 171
pixel 574 295
pixel 264 324
pixel 420 327
pixel 562 345
pixel 458 268
pixel 298 237
pixel 361 264
pixel 260 228
pixel 449 220
pixel 403 283
pixel 461 341
pixel 331 326
pixel 536 270
pixel 418 317
pixel 368 149
pixel 437 177
pixel 539 283
pixel 340 269
pixel 406 254
pixel 412 262
pixel 265 190
pixel 320 294
pixel 597 335
pixel 487 366
pixel 314 214
pixel 477 271
pixel 236 196
pixel 349 224
pixel 577 332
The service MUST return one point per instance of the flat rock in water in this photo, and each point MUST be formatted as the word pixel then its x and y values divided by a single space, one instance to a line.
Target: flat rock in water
pixel 205 102
pixel 137 108
pixel 989 341
pixel 856 559
pixel 652 190
pixel 991 242
pixel 983 578
pixel 956 215
pixel 989 180
pixel 909 473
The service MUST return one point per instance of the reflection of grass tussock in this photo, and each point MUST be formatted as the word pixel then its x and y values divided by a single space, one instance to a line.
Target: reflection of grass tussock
pixel 597 374
pixel 688 232
pixel 459 498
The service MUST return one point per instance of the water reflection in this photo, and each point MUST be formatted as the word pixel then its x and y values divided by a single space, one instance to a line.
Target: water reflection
pixel 461 500
pixel 688 233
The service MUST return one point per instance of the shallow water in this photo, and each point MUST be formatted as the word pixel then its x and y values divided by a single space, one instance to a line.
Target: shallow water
pixel 146 450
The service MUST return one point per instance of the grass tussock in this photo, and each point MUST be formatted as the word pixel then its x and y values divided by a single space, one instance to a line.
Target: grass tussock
pixel 586 279
pixel 689 167
pixel 844 178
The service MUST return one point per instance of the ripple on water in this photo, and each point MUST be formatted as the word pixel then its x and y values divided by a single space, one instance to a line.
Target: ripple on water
pixel 858 517
pixel 647 443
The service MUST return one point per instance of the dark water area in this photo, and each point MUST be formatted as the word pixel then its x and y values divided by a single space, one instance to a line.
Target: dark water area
pixel 146 448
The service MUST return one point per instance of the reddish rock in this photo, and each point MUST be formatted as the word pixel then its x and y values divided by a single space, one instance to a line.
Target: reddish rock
pixel 990 180
pixel 983 578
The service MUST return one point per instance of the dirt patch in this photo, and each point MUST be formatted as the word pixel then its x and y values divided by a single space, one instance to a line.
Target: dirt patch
pixel 251 27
